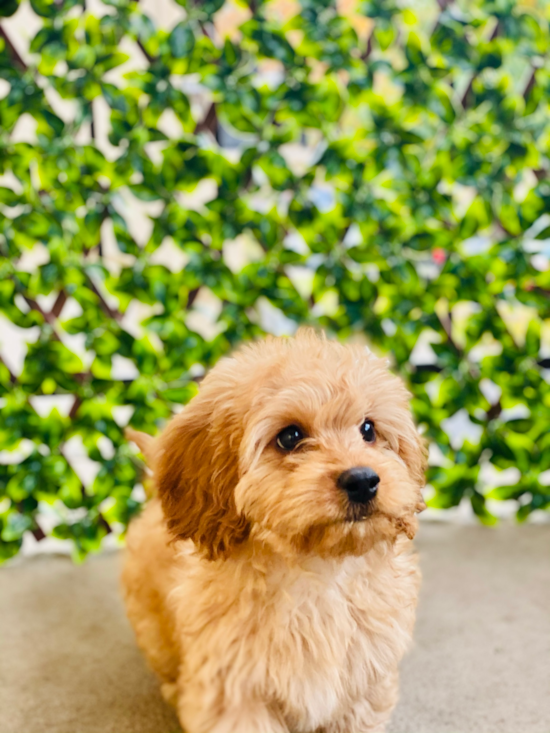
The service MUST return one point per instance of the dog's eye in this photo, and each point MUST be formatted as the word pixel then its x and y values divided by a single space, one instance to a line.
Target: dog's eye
pixel 367 431
pixel 289 437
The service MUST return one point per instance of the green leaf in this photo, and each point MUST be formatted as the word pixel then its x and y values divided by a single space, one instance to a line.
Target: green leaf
pixel 182 41
pixel 45 8
pixel 8 7
pixel 251 172
pixel 481 511
pixel 8 197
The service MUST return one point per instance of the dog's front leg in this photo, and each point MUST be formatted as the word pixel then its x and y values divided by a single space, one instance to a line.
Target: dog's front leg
pixel 198 714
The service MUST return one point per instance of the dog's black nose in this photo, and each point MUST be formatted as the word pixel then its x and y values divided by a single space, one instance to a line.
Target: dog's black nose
pixel 360 484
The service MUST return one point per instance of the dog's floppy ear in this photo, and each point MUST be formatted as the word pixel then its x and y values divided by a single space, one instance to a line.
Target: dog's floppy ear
pixel 143 441
pixel 398 425
pixel 413 450
pixel 402 434
pixel 196 471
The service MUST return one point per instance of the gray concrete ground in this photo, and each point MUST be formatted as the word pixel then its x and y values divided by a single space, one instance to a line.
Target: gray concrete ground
pixel 480 664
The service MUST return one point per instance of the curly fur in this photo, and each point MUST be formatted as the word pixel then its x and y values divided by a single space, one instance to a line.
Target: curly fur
pixel 259 603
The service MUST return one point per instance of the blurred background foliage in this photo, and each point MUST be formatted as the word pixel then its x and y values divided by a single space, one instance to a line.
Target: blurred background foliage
pixel 177 180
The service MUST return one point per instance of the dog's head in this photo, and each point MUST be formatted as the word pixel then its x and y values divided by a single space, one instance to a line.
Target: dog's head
pixel 303 444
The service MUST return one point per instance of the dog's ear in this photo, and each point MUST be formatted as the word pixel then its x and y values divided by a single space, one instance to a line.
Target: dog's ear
pixel 398 425
pixel 401 432
pixel 196 471
pixel 413 450
pixel 143 441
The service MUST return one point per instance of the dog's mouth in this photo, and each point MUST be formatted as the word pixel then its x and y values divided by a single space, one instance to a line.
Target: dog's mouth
pixel 356 512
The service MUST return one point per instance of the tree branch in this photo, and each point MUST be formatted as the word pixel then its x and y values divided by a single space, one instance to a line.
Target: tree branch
pixel 210 122
pixel 59 303
pixel 13 52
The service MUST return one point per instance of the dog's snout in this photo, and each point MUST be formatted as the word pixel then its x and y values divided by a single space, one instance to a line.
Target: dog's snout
pixel 360 484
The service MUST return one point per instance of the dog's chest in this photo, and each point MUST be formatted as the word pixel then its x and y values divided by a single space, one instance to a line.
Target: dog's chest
pixel 325 647
pixel 311 641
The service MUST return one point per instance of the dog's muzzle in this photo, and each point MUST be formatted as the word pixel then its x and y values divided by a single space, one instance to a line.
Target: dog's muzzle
pixel 360 484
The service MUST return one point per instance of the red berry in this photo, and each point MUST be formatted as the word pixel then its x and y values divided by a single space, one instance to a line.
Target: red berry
pixel 439 256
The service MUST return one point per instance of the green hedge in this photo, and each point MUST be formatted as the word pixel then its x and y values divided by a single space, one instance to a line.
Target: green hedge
pixel 380 169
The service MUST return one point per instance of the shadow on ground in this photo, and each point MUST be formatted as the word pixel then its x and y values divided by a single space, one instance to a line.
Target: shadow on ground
pixel 480 664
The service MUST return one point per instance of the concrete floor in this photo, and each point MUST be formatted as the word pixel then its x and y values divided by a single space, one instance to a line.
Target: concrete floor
pixel 481 661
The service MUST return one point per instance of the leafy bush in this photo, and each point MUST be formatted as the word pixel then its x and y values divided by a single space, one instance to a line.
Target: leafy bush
pixel 376 168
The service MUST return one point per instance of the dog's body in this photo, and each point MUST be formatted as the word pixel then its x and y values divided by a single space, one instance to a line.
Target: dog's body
pixel 279 611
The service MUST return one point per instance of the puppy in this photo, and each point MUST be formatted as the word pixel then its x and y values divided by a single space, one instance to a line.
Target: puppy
pixel 270 581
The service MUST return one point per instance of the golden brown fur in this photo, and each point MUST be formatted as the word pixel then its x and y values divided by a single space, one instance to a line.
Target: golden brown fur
pixel 262 604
